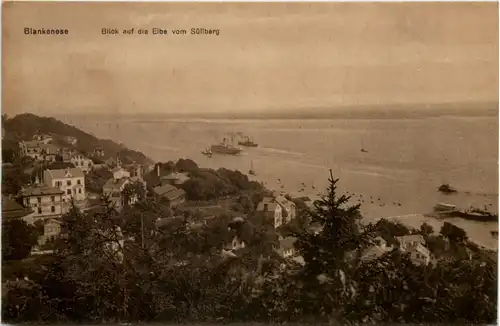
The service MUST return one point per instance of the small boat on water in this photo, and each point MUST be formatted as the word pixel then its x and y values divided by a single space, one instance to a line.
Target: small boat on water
pixel 225 147
pixel 442 207
pixel 251 171
pixel 207 152
pixel 494 234
pixel 247 142
pixel 363 148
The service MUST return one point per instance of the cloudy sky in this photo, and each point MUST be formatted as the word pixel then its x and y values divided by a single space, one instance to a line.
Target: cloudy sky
pixel 267 57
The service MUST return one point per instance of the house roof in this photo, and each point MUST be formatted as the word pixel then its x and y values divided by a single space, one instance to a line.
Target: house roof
pixel 96 160
pixel 113 184
pixel 373 252
pixel 49 148
pixel 271 206
pixel 168 191
pixel 53 221
pixel 61 173
pixel 12 209
pixel 420 248
pixel 411 238
pixel 40 190
pixel 118 169
pixel 176 176
pixel 80 154
pixel 31 143
pixel 285 203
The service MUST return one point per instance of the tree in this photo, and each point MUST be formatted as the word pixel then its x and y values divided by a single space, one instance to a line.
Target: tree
pixel 453 232
pixel 186 165
pixel 326 254
pixel 17 239
pixel 426 229
pixel 13 180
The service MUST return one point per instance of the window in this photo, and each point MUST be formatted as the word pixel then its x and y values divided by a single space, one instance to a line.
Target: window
pixel 53 198
pixel 68 191
pixel 78 182
pixel 39 199
pixel 53 209
pixel 79 190
pixel 68 182
pixel 39 210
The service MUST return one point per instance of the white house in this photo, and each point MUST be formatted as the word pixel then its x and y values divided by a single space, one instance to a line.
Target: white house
pixel 415 245
pixel 51 230
pixel 31 149
pixel 46 202
pixel 45 139
pixel 114 187
pixel 271 208
pixel 82 162
pixel 120 173
pixel 378 249
pixel 71 140
pixel 70 181
pixel 175 178
pixel 419 254
pixel 287 248
pixel 288 206
pixel 48 152
pixel 410 240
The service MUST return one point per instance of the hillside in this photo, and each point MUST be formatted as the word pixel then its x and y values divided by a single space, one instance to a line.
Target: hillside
pixel 25 126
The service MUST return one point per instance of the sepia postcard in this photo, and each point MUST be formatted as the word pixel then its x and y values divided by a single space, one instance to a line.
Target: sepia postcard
pixel 321 163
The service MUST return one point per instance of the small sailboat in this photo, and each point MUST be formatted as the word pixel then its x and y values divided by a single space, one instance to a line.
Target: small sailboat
pixel 251 171
pixel 363 148
pixel 207 152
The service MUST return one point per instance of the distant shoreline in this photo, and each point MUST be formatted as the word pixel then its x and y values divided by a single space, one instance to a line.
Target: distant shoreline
pixel 413 111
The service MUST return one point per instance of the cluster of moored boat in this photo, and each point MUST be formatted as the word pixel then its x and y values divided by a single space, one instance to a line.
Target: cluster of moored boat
pixel 227 147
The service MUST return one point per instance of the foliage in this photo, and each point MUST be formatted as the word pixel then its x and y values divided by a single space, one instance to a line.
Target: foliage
pixel 453 232
pixel 95 180
pixel 25 126
pixel 13 180
pixel 177 273
pixel 186 165
pixel 17 239
pixel 206 184
pixel 426 229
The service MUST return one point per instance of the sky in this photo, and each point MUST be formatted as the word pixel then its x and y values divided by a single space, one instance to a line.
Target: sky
pixel 268 56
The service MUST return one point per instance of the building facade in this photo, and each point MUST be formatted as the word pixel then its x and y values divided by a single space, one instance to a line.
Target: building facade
pixel 269 207
pixel 51 230
pixel 171 194
pixel 46 202
pixel 82 162
pixel 48 152
pixel 31 149
pixel 13 210
pixel 43 138
pixel 70 181
pixel 288 206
